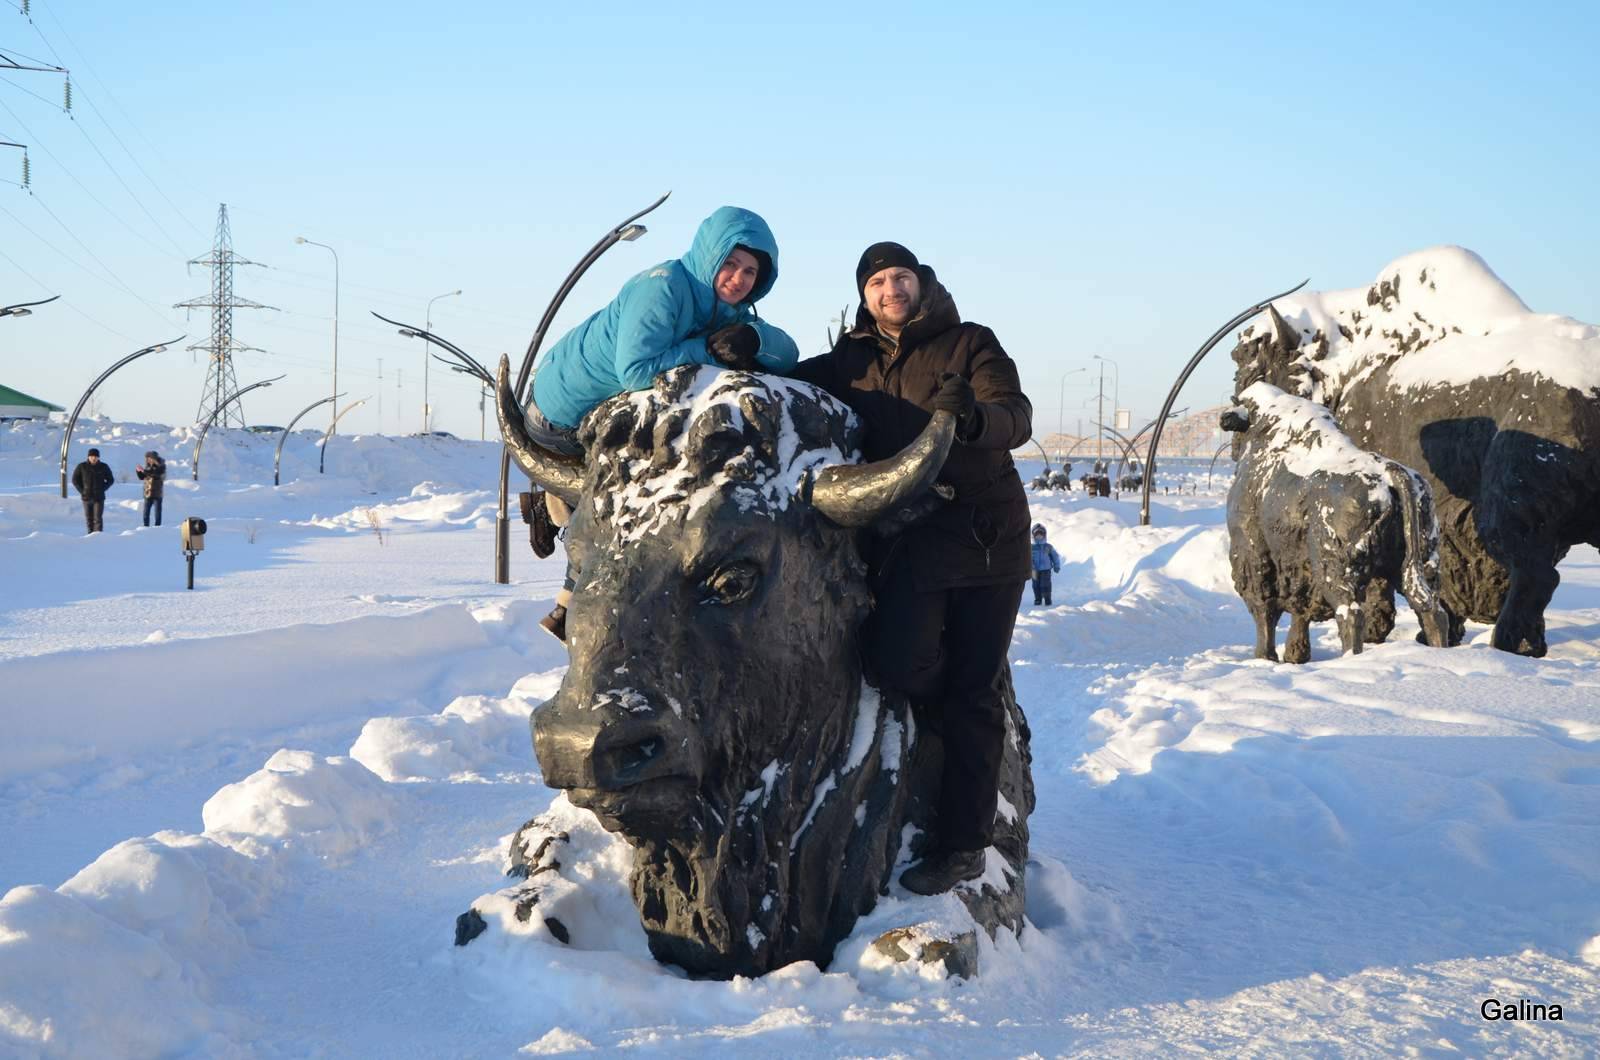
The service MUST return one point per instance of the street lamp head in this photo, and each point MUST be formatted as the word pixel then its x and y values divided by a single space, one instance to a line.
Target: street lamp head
pixel 411 333
pixel 157 349
pixel 20 313
pixel 300 239
pixel 632 232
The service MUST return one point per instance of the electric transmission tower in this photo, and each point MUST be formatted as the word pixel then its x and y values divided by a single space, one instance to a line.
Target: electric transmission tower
pixel 220 381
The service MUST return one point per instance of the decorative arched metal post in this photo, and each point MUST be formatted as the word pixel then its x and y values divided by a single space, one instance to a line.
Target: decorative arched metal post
pixel 322 454
pixel 66 436
pixel 1213 466
pixel 1042 453
pixel 628 231
pixel 278 456
pixel 1183 377
pixel 224 403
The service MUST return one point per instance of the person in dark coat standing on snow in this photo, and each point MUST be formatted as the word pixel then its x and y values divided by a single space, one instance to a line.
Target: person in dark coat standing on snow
pixel 154 476
pixel 91 479
pixel 1045 560
pixel 947 589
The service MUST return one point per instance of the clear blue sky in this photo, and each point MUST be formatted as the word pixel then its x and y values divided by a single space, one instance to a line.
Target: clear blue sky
pixel 1112 179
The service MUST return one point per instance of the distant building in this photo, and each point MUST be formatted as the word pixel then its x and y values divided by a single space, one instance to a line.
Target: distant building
pixel 15 405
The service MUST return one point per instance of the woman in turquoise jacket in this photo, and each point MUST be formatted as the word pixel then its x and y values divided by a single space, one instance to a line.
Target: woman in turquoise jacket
pixel 666 316
pixel 699 309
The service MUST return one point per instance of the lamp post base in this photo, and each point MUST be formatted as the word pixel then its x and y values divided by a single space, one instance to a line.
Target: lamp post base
pixel 502 550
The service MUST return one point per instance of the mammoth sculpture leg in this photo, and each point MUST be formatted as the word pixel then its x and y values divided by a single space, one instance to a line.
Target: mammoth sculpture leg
pixel 1379 604
pixel 1520 626
pixel 1266 617
pixel 1297 645
pixel 1352 625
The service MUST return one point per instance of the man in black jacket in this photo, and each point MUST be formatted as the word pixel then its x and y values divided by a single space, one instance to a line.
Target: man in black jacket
pixel 948 588
pixel 91 479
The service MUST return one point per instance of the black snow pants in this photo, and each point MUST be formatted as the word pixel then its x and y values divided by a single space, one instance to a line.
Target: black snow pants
pixel 944 648
pixel 1041 587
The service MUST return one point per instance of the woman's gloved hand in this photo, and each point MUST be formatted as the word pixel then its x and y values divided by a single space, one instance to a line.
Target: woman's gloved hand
pixel 735 346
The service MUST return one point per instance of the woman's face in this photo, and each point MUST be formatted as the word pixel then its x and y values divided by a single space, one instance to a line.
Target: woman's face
pixel 737 277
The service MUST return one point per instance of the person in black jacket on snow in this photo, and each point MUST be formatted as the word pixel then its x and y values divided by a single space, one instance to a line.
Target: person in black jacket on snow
pixel 948 588
pixel 91 479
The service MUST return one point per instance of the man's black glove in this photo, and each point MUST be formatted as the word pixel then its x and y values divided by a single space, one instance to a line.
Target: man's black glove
pixel 735 346
pixel 955 396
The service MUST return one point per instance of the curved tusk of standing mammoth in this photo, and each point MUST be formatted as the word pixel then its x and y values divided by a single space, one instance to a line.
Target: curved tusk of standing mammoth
pixel 857 495
pixel 561 475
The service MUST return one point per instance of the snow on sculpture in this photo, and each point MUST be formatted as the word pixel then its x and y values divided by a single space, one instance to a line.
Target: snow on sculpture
pixel 1440 365
pixel 1323 529
pixel 714 714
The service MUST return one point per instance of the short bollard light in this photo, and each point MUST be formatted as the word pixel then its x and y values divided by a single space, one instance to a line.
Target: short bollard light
pixel 192 533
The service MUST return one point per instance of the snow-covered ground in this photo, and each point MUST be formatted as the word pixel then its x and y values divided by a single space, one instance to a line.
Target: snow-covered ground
pixel 241 821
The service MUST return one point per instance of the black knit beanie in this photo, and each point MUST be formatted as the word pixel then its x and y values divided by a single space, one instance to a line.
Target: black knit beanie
pixel 94 452
pixel 882 256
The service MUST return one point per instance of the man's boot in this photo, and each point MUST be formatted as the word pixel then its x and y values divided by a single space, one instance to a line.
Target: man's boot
pixel 941 870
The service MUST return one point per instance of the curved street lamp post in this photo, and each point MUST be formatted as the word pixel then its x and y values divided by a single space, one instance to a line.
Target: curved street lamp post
pixel 322 454
pixel 278 456
pixel 66 435
pixel 224 403
pixel 21 308
pixel 1183 377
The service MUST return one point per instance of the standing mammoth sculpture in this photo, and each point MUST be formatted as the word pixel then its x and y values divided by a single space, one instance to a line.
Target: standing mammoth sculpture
pixel 1440 366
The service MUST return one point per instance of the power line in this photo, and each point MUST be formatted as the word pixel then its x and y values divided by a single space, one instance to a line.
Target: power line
pixel 92 196
pixel 73 261
pixel 109 128
pixel 68 304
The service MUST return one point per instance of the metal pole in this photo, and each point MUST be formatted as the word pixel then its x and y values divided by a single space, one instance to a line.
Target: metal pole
pixel 1183 377
pixel 1213 466
pixel 427 325
pixel 1100 415
pixel 224 403
pixel 66 435
pixel 276 457
pixel 335 253
pixel 502 527
pixel 323 454
pixel 1061 411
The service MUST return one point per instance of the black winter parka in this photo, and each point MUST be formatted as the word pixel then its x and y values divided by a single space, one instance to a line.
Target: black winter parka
pixel 92 480
pixel 982 537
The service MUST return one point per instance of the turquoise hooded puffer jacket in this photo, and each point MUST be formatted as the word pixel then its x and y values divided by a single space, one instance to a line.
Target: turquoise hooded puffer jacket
pixel 660 320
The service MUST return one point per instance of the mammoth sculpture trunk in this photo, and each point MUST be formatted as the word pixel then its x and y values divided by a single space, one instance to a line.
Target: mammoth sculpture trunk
pixel 714 714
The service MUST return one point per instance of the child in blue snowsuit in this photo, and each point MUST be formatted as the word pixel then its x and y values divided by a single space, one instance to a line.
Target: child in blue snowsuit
pixel 698 309
pixel 1045 560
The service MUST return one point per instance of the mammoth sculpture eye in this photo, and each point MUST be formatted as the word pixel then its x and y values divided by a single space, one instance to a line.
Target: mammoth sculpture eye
pixel 730 584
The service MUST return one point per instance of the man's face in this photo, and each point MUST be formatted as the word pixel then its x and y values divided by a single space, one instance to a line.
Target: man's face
pixel 737 277
pixel 94 458
pixel 892 296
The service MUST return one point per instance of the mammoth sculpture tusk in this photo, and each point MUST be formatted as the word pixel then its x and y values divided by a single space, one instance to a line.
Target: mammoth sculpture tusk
pixel 858 495
pixel 561 475
pixel 1286 336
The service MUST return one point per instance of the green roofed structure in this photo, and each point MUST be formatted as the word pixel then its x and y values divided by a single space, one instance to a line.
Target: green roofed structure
pixel 15 405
